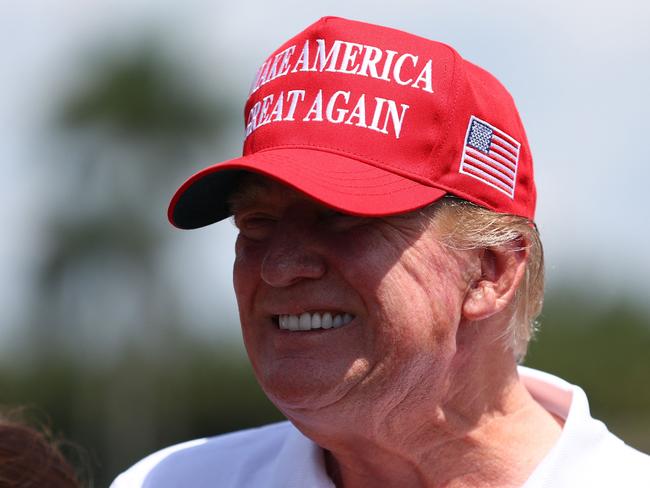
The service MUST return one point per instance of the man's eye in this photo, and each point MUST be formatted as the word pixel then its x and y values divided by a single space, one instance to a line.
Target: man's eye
pixel 255 226
pixel 258 220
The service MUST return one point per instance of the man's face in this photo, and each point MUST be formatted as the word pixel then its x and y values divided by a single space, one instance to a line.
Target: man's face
pixel 386 293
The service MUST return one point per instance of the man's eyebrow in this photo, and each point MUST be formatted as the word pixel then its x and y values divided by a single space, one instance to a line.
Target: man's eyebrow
pixel 247 194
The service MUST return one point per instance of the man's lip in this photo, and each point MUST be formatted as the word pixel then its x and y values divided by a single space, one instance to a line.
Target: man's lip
pixel 300 306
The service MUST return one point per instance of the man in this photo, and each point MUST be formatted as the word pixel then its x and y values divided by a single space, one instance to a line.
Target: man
pixel 388 274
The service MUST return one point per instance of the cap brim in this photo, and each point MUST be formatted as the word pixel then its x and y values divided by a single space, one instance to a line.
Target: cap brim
pixel 334 180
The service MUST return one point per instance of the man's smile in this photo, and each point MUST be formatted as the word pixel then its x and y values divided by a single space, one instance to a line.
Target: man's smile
pixel 313 320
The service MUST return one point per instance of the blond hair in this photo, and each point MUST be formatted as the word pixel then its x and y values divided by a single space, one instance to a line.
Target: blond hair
pixel 468 226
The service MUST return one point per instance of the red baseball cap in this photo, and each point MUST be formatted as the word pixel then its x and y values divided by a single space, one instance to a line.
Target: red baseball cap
pixel 372 121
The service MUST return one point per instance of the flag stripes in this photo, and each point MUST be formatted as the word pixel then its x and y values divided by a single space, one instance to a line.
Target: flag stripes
pixel 491 156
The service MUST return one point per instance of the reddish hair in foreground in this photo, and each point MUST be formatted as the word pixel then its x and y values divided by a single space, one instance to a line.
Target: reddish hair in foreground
pixel 29 459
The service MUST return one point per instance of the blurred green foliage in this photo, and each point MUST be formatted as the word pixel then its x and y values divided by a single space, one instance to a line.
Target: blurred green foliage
pixel 141 94
pixel 118 414
pixel 604 348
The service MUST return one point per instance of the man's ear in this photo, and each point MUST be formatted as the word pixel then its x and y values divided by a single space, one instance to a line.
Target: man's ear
pixel 502 269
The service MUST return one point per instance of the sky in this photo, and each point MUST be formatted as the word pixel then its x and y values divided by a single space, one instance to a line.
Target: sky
pixel 578 71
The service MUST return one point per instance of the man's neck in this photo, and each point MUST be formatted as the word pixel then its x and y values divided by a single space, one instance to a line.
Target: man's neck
pixel 483 434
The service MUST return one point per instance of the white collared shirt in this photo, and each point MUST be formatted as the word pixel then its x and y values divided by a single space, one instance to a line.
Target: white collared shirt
pixel 586 455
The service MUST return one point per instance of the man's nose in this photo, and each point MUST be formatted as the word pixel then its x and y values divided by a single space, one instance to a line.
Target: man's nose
pixel 293 255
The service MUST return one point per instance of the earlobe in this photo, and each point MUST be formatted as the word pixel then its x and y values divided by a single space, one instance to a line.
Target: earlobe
pixel 502 269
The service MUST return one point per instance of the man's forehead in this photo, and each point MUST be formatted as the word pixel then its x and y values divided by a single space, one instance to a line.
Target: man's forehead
pixel 253 188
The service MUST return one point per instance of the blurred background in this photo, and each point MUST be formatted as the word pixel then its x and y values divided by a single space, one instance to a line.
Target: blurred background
pixel 122 332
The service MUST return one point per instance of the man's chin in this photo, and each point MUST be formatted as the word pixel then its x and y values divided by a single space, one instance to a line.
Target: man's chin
pixel 298 394
pixel 295 395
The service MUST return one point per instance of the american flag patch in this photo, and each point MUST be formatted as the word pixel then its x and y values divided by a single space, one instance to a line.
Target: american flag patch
pixel 491 156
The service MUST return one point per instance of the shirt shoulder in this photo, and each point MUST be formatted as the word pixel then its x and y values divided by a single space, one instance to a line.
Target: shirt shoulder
pixel 586 454
pixel 235 459
pixel 608 463
pixel 617 464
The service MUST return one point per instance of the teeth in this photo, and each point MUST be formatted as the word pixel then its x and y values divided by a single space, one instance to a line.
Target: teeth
pixel 337 321
pixel 293 322
pixel 316 321
pixel 327 321
pixel 305 321
pixel 310 321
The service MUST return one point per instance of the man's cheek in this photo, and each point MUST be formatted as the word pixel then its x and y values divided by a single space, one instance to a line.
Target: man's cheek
pixel 243 284
pixel 247 265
